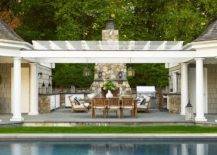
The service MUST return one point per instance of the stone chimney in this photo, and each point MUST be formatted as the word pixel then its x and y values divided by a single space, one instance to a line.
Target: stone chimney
pixel 114 72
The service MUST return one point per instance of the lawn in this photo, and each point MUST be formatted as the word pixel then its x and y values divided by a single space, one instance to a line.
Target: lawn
pixel 111 129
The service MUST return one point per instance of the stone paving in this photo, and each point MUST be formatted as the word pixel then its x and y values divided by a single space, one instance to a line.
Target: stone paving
pixel 65 115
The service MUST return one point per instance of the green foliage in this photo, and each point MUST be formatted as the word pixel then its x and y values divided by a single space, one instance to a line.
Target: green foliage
pixel 84 20
pixel 109 85
pixel 38 22
pixel 149 74
pixel 135 19
pixel 67 75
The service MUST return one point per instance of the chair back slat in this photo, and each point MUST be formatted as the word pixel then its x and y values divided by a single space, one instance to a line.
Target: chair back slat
pixel 99 102
pixel 127 101
pixel 113 101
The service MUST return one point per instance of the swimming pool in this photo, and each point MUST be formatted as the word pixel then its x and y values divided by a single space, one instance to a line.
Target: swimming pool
pixel 113 147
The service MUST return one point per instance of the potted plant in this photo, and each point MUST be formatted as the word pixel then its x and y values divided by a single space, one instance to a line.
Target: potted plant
pixel 109 87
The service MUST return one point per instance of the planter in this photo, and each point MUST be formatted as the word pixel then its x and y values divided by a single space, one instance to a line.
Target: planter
pixel 114 92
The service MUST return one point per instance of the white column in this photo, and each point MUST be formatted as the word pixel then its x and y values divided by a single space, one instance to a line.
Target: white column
pixel 33 89
pixel 16 91
pixel 184 87
pixel 199 91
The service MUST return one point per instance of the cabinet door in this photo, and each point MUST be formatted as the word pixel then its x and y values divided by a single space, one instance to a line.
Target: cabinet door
pixel 57 101
pixel 52 102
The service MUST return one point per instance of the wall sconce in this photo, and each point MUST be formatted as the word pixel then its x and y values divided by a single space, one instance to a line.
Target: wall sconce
pixel 120 75
pixel 86 72
pixel 131 72
pixel 50 76
pixel 39 74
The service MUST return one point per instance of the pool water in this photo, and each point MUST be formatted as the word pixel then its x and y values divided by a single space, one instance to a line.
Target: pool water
pixel 110 148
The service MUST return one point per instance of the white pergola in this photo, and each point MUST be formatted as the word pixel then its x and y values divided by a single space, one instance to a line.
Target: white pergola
pixel 49 52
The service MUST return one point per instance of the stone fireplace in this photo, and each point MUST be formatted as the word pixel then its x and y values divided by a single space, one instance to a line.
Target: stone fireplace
pixel 114 72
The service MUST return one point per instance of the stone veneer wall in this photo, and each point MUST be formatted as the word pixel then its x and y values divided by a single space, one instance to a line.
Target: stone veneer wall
pixel 5 88
pixel 44 104
pixel 110 71
pixel 46 78
pixel 212 88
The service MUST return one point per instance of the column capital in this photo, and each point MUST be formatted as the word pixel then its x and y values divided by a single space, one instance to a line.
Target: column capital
pixel 33 63
pixel 17 58
pixel 198 59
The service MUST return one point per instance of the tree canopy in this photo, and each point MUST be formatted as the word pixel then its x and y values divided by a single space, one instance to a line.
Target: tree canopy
pixel 135 20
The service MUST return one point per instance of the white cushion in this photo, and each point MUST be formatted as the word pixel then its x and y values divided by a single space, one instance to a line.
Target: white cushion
pixel 91 96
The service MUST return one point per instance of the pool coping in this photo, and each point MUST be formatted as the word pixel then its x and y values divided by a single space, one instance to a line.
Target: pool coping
pixel 82 137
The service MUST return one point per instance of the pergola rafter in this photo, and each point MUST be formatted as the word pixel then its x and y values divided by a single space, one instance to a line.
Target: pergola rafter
pixel 107 45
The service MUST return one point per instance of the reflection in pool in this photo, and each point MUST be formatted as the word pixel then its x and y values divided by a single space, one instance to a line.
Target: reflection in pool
pixel 109 148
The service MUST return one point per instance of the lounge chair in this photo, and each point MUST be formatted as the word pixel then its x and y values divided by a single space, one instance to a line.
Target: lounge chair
pixel 144 105
pixel 114 105
pixel 128 104
pixel 78 106
pixel 98 104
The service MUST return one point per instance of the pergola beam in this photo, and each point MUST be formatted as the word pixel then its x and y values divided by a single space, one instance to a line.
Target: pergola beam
pixel 110 54
pixel 109 60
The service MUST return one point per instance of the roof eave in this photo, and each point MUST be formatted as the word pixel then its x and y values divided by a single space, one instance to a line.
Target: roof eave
pixel 15 44
pixel 200 45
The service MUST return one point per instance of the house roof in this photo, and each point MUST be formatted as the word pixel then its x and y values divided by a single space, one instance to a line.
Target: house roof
pixel 6 33
pixel 209 34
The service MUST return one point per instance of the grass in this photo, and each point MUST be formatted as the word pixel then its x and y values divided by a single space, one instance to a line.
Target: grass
pixel 111 129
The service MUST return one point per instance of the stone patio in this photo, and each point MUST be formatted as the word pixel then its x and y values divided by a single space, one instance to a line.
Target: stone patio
pixel 66 116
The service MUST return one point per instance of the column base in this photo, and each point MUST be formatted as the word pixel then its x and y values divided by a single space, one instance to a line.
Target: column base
pixel 33 113
pixel 200 119
pixel 16 119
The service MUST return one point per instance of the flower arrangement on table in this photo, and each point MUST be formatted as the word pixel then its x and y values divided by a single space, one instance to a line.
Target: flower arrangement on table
pixel 110 86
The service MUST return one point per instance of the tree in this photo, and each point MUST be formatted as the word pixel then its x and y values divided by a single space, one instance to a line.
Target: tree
pixel 135 19
pixel 37 19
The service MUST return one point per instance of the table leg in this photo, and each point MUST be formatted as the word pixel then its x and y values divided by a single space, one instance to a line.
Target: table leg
pixel 121 113
pixel 93 113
